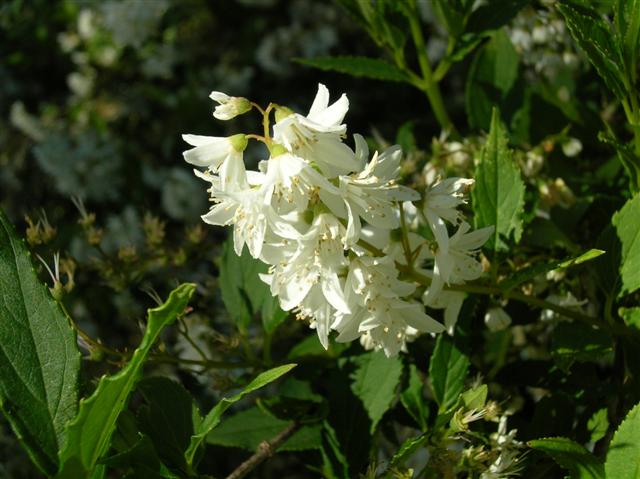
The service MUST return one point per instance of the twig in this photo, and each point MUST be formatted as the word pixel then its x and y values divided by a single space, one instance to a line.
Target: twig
pixel 264 451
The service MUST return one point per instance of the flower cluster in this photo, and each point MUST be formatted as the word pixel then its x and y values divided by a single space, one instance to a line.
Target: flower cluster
pixel 333 224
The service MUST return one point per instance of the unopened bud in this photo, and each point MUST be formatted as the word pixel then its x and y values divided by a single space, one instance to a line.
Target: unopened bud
pixel 229 106
pixel 497 319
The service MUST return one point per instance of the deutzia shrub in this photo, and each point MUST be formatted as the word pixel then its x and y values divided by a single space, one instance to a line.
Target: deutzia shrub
pixel 332 222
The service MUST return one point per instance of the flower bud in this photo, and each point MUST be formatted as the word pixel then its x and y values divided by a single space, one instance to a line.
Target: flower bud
pixel 496 319
pixel 229 106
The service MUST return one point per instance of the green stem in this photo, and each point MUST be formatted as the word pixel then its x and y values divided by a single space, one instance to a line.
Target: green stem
pixel 429 85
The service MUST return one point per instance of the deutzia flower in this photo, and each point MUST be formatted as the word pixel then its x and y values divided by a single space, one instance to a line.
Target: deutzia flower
pixel 218 154
pixel 318 136
pixel 371 195
pixel 457 264
pixel 327 222
pixel 441 202
pixel 310 276
pixel 229 106
pixel 375 294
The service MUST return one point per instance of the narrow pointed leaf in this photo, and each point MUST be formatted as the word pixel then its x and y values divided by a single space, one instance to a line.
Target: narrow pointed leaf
pixel 39 360
pixel 595 36
pixel 212 419
pixel 89 434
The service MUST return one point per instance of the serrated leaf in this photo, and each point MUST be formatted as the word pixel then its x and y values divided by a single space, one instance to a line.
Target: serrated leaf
pixel 628 21
pixel 571 456
pixel 89 434
pixel 492 74
pixel 595 37
pixel 356 66
pixel 627 225
pixel 375 381
pixel 498 196
pixel 247 429
pixel 538 268
pixel 212 419
pixel 413 400
pixel 39 359
pixel 623 458
pixel 448 371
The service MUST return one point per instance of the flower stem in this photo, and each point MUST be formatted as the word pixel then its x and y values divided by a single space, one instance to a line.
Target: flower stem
pixel 429 85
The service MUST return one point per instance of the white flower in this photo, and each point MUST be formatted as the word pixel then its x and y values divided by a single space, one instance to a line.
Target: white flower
pixel 375 296
pixel 371 195
pixel 441 202
pixel 496 319
pixel 218 154
pixel 457 264
pixel 317 137
pixel 309 277
pixel 229 106
pixel 572 147
pixel 290 183
pixel 451 302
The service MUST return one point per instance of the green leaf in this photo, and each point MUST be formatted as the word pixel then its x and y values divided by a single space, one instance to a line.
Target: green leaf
pixel 631 317
pixel 494 15
pixel 243 292
pixel 39 360
pixel 247 429
pixel 574 341
pixel 407 449
pixel 475 398
pixel 598 424
pixel 628 23
pixel 412 398
pixel 538 268
pixel 332 455
pixel 498 197
pixel 448 371
pixel 571 456
pixel 212 419
pixel 356 66
pixel 623 458
pixel 375 381
pixel 141 458
pixel 492 74
pixel 89 434
pixel 168 419
pixel 452 13
pixel 627 225
pixel 595 37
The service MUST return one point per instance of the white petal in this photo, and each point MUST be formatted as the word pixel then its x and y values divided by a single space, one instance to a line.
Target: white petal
pixel 219 97
pixel 333 115
pixel 333 291
pixel 221 214
pixel 320 102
